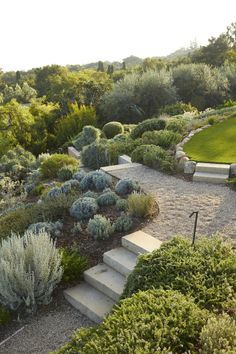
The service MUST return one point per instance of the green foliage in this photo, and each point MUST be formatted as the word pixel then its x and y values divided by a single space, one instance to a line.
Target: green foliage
pixel 79 175
pixel 95 155
pixel 141 205
pixel 163 138
pixel 206 272
pixel 112 129
pixel 126 186
pixel 153 321
pixel 108 197
pixel 177 108
pixel 73 264
pixel 176 125
pixel 97 180
pixel 121 204
pixel 66 172
pixel 88 135
pixel 51 166
pixel 148 125
pixel 100 227
pixel 4 316
pixel 123 223
pixel 218 336
pixel 84 208
pixel 38 190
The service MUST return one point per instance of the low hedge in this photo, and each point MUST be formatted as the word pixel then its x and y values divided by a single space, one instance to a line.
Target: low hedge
pixel 51 166
pixel 206 272
pixel 112 129
pixel 147 125
pixel 153 321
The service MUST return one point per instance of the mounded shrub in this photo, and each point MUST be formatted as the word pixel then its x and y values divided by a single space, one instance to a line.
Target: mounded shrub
pixel 123 223
pixel 77 228
pixel 79 175
pixel 95 155
pixel 30 269
pixel 148 125
pixel 73 265
pixel 54 192
pixel 140 152
pixel 52 228
pixel 97 180
pixel 163 138
pixel 112 129
pixel 153 321
pixel 122 204
pixel 218 336
pixel 70 185
pixel 206 271
pixel 178 108
pixel 126 186
pixel 84 208
pixel 108 197
pixel 66 172
pixel 51 166
pixel 100 227
pixel 88 135
pixel 90 194
pixel 176 125
pixel 142 205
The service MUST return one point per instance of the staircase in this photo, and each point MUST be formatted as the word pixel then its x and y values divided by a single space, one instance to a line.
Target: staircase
pixel 104 283
pixel 211 172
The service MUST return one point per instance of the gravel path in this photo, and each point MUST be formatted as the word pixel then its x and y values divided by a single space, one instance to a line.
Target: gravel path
pixel 177 198
pixel 46 332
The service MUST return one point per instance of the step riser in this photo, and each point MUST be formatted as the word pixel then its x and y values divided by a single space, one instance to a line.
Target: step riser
pixel 209 179
pixel 102 287
pixel 220 171
pixel 122 269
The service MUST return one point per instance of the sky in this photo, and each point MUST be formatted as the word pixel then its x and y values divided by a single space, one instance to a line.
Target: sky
pixel 35 33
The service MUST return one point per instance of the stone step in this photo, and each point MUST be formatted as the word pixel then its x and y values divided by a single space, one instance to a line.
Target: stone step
pixel 213 168
pixel 106 280
pixel 122 166
pixel 89 301
pixel 140 242
pixel 210 177
pixel 124 159
pixel 120 259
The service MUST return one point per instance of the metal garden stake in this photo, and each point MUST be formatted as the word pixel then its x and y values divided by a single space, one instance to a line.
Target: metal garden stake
pixel 195 225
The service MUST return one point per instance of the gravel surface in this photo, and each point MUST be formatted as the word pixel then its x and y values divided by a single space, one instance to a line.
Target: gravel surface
pixel 46 332
pixel 177 198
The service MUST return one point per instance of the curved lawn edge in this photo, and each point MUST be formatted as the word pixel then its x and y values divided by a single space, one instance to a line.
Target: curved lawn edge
pixel 216 144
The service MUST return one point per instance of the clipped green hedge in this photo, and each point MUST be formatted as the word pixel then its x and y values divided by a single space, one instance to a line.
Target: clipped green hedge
pixel 154 321
pixel 148 125
pixel 112 129
pixel 206 272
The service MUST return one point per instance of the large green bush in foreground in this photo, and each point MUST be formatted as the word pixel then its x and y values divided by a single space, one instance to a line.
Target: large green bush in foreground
pixel 51 166
pixel 206 272
pixel 154 321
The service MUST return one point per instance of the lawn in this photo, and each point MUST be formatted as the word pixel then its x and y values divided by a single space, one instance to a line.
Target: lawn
pixel 214 144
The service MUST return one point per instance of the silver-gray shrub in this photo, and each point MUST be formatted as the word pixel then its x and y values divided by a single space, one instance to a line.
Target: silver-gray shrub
pixel 84 208
pixel 97 180
pixel 100 227
pixel 30 269
pixel 108 197
pixel 123 223
pixel 52 228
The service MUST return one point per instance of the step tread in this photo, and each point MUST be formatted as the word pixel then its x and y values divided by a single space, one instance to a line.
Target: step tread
pixel 89 301
pixel 140 242
pixel 207 164
pixel 121 260
pixel 106 280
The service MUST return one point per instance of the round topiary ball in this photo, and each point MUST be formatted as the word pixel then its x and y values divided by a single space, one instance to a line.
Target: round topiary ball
pixel 84 208
pixel 112 128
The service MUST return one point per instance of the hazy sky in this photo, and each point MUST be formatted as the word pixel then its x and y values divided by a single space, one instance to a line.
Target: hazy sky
pixel 40 32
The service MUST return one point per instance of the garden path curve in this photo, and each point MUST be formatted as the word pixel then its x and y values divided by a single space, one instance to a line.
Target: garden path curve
pixel 177 198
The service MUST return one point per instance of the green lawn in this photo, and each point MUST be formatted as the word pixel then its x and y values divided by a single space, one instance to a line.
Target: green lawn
pixel 214 144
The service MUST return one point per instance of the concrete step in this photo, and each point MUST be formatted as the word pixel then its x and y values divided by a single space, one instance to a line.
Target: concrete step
pixel 120 259
pixel 89 301
pixel 106 280
pixel 140 242
pixel 210 177
pixel 213 168
pixel 122 166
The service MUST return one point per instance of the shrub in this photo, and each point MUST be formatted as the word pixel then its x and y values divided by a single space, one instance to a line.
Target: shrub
pixel 4 316
pixel 178 108
pixel 66 172
pixel 51 166
pixel 76 228
pixel 28 278
pixel 163 138
pixel 153 321
pixel 148 125
pixel 100 227
pixel 52 228
pixel 126 186
pixel 70 185
pixel 112 129
pixel 176 125
pixel 73 265
pixel 54 192
pixel 122 204
pixel 97 180
pixel 90 194
pixel 219 335
pixel 88 135
pixel 84 208
pixel 141 205
pixel 79 175
pixel 38 190
pixel 123 223
pixel 95 155
pixel 206 272
pixel 108 197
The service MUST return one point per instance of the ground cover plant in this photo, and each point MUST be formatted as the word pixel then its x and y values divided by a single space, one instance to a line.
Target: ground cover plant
pixel 214 144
